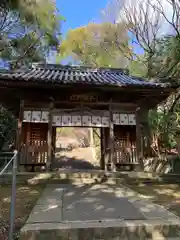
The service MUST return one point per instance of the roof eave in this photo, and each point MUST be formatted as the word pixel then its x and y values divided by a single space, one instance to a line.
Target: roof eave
pixel 6 81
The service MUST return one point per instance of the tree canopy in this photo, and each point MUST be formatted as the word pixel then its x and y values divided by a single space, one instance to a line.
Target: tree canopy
pixel 101 45
pixel 161 58
pixel 28 29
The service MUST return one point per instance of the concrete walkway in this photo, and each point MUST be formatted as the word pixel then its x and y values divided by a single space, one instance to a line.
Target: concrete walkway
pixel 63 207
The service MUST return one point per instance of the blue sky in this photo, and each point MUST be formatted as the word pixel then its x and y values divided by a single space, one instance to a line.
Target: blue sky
pixel 77 13
pixel 80 12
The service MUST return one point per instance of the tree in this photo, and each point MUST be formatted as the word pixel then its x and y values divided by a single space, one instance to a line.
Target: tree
pixel 146 21
pixel 28 30
pixel 166 58
pixel 145 25
pixel 100 45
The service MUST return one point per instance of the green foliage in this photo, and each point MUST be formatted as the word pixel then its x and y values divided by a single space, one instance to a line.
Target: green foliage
pixel 28 30
pixel 7 125
pixel 145 20
pixel 101 45
pixel 166 58
pixel 36 12
pixel 165 124
pixel 160 129
pixel 137 67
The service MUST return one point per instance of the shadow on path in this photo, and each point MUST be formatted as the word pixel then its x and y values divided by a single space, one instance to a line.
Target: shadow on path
pixel 72 163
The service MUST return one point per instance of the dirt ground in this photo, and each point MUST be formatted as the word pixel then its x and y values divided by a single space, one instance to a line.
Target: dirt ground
pixel 78 158
pixel 167 195
pixel 26 197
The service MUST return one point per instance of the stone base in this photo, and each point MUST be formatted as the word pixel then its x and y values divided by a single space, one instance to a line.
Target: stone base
pixel 105 230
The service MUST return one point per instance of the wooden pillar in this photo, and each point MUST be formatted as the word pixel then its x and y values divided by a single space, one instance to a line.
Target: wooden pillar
pixel 50 137
pixel 146 133
pixel 102 160
pixel 19 130
pixel 53 143
pixel 106 148
pixel 27 142
pixel 28 133
pixel 139 148
pixel 111 139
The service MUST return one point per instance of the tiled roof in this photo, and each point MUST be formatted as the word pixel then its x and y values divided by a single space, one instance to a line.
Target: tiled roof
pixel 73 75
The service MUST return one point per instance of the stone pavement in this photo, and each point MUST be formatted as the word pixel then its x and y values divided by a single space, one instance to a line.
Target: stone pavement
pixel 95 205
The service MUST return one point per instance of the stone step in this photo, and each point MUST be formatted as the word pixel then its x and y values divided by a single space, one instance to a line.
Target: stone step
pixel 80 176
pixel 52 177
pixel 102 230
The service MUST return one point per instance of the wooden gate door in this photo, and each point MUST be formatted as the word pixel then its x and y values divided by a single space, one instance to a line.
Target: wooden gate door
pixel 125 144
pixel 34 148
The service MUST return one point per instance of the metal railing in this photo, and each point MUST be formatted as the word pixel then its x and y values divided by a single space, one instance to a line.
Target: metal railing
pixel 13 191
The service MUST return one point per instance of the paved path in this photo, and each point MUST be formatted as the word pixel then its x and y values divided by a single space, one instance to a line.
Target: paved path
pixel 108 211
pixel 94 202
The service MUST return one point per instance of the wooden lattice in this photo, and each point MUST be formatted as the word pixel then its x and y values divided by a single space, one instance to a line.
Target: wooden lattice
pixel 124 146
pixel 34 150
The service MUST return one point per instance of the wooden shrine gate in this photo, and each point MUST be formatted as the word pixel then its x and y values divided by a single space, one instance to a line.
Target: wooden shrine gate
pixel 46 96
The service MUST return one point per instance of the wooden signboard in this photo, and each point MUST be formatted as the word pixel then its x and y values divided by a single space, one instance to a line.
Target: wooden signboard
pixel 83 98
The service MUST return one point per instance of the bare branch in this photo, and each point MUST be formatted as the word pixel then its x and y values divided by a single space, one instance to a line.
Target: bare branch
pixel 172 19
pixel 143 23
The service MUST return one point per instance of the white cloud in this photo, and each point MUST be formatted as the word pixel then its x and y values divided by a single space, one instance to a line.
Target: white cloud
pixel 138 5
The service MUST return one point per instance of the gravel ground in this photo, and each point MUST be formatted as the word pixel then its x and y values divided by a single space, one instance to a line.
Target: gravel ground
pixel 26 197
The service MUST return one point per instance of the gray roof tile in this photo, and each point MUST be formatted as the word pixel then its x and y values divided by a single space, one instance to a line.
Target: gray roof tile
pixel 82 75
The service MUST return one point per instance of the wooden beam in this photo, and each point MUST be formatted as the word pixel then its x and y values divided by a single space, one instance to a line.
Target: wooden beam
pixel 19 130
pixel 42 104
pixel 50 137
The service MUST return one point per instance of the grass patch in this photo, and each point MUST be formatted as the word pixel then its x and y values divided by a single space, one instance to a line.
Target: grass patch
pixel 26 197
pixel 167 195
